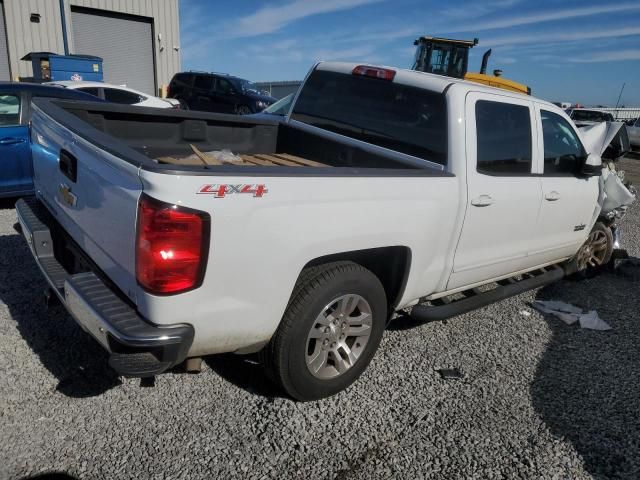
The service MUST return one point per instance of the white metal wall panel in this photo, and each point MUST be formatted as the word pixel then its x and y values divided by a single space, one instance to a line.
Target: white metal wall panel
pixel 5 72
pixel 24 36
pixel 166 25
pixel 124 43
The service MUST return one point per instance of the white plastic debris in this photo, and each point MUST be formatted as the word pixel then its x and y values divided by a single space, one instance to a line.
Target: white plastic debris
pixel 225 156
pixel 571 314
pixel 613 193
pixel 592 321
pixel 566 312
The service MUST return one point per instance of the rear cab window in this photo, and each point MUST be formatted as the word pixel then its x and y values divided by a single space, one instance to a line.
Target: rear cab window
pixel 504 140
pixel 402 118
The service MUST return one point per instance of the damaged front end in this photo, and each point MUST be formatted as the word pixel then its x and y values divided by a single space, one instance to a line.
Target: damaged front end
pixel 609 142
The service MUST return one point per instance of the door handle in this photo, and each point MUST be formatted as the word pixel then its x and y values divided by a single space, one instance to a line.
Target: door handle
pixel 552 196
pixel 11 141
pixel 482 201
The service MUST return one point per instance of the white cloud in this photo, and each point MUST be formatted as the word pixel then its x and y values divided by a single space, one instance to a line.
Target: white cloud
pixel 548 16
pixel 610 56
pixel 273 18
pixel 356 54
pixel 477 9
pixel 550 37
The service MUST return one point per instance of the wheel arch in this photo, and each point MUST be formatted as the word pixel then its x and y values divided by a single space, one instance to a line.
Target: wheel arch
pixel 390 264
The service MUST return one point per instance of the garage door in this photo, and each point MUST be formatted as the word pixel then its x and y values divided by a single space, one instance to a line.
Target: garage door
pixel 124 43
pixel 5 74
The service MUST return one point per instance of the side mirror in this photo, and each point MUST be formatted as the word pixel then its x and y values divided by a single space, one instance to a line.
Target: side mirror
pixel 592 166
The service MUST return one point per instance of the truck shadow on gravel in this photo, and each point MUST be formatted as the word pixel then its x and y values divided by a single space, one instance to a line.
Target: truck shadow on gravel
pixel 587 387
pixel 71 355
pixel 246 372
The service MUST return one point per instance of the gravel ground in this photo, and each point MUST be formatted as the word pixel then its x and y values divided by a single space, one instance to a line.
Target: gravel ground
pixel 539 399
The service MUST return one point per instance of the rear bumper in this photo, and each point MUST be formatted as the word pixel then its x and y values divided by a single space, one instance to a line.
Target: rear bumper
pixel 137 348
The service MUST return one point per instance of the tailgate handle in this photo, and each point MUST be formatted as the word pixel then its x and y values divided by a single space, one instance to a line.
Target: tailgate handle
pixel 68 165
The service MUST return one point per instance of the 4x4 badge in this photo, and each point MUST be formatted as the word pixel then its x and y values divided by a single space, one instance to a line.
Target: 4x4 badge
pixel 222 190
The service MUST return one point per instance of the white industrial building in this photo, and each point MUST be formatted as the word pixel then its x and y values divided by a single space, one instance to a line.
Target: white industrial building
pixel 138 40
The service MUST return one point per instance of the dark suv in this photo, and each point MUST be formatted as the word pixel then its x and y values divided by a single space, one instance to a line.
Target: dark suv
pixel 217 92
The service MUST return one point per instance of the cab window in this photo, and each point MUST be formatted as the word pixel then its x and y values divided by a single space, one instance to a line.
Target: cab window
pixel 90 90
pixel 9 110
pixel 203 82
pixel 563 151
pixel 122 96
pixel 223 86
pixel 504 138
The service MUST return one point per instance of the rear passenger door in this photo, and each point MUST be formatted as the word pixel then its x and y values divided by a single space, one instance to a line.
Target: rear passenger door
pixel 568 200
pixel 503 193
pixel 202 97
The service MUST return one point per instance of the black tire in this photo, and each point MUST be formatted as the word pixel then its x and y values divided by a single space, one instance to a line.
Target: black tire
pixel 243 110
pixel 285 355
pixel 575 267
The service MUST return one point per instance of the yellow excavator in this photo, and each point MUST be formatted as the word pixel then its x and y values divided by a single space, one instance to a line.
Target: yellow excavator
pixel 449 57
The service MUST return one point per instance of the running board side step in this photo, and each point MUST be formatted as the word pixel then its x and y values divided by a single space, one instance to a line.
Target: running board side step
pixel 474 299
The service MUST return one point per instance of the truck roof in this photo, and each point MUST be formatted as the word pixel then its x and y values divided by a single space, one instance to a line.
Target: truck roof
pixel 429 81
pixel 38 89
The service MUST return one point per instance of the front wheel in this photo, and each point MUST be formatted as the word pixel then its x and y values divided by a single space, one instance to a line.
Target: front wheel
pixel 595 252
pixel 330 331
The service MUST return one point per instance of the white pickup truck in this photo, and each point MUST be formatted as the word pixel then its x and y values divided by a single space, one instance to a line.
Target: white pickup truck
pixel 382 190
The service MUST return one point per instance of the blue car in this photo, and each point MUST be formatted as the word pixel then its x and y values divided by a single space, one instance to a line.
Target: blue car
pixel 16 173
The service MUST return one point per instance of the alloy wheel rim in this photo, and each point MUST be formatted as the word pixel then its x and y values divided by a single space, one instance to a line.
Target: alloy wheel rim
pixel 594 250
pixel 338 336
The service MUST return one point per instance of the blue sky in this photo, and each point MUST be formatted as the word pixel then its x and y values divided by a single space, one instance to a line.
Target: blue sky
pixel 566 50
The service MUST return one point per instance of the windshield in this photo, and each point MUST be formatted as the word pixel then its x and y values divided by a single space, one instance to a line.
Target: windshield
pixel 281 107
pixel 247 86
pixel 399 117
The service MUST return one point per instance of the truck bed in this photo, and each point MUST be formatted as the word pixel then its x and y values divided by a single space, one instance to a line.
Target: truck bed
pixel 167 141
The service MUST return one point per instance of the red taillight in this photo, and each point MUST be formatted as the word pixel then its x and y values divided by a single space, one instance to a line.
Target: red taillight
pixel 375 72
pixel 172 244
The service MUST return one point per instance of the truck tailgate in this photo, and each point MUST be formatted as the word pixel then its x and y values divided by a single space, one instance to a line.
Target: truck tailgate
pixel 91 193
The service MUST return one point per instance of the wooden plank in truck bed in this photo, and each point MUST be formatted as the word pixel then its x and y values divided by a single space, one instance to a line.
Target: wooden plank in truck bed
pixel 262 159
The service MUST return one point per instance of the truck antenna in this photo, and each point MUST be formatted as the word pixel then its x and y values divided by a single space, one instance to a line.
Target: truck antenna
pixel 620 96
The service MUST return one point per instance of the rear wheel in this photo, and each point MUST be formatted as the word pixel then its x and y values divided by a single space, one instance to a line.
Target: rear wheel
pixel 595 252
pixel 330 331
